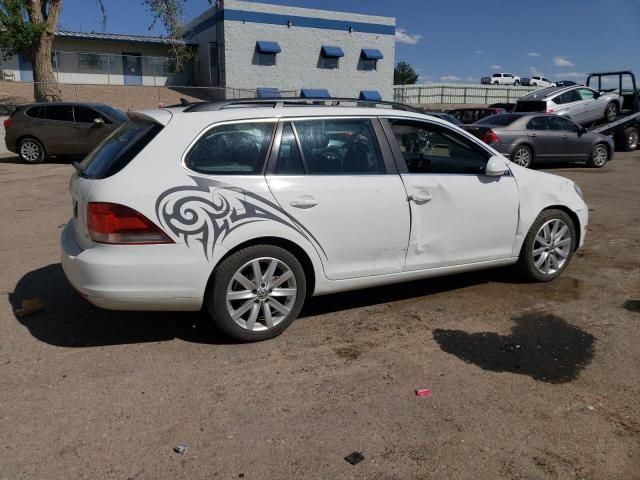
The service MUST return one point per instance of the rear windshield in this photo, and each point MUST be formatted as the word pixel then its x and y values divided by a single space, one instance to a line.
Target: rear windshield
pixel 502 119
pixel 118 149
pixel 530 106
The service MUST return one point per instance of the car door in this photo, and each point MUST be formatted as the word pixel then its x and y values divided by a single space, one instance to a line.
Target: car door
pixel 459 216
pixel 57 131
pixel 88 132
pixel 590 105
pixel 334 177
pixel 576 146
pixel 548 144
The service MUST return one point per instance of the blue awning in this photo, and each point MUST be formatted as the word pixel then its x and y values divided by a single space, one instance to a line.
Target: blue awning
pixel 315 93
pixel 268 92
pixel 370 95
pixel 333 52
pixel 371 54
pixel 268 47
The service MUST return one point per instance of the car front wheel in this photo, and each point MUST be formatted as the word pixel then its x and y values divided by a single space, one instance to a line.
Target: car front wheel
pixel 31 150
pixel 548 247
pixel 256 293
pixel 599 156
pixel 522 156
pixel 611 112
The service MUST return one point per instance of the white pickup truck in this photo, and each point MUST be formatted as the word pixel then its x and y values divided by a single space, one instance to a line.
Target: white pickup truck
pixel 501 79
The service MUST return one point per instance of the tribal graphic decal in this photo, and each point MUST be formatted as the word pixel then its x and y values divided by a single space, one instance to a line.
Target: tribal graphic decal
pixel 209 210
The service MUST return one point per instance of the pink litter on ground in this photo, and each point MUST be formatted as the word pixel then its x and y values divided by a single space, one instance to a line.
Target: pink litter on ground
pixel 423 392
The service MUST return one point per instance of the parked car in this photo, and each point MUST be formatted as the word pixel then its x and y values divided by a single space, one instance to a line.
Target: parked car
pixel 501 79
pixel 581 104
pixel 445 116
pixel 536 138
pixel 39 130
pixel 565 83
pixel 472 115
pixel 538 81
pixel 507 107
pixel 525 81
pixel 249 211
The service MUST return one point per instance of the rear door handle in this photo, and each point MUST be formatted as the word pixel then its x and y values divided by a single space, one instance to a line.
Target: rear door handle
pixel 533 134
pixel 306 201
pixel 565 136
pixel 420 198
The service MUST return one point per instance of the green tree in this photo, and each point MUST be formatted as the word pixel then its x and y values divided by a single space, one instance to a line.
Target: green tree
pixel 28 27
pixel 404 74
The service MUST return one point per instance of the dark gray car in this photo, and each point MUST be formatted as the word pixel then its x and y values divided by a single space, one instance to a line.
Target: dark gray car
pixel 535 138
pixel 39 130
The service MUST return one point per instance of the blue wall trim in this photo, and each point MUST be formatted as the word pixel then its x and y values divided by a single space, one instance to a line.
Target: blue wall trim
pixel 308 22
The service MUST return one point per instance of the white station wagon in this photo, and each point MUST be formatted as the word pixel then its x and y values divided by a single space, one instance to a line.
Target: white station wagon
pixel 245 208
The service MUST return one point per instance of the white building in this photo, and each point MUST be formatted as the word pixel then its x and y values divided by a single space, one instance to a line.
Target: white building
pixel 258 46
pixel 255 48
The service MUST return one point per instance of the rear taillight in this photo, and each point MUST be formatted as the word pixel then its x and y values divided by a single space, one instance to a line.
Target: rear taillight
pixel 551 110
pixel 117 224
pixel 490 137
pixel 8 122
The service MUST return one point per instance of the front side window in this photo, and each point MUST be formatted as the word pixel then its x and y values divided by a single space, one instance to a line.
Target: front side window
pixel 339 147
pixel 234 149
pixel 61 113
pixel 87 115
pixel 562 125
pixel 586 94
pixel 435 149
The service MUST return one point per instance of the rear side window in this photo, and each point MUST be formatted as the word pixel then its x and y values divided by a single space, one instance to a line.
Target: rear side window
pixel 61 113
pixel 566 97
pixel 88 115
pixel 530 106
pixel 339 147
pixel 538 123
pixel 118 149
pixel 34 112
pixel 233 149
pixel 289 159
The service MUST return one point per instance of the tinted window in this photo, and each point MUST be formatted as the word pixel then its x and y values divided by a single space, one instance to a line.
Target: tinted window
pixel 434 149
pixel 87 115
pixel 265 59
pixel 340 147
pixel 499 120
pixel 289 158
pixel 586 94
pixel 367 64
pixel 236 149
pixel 496 75
pixel 33 112
pixel 118 149
pixel 562 124
pixel 330 63
pixel 566 97
pixel 63 113
pixel 114 113
pixel 538 123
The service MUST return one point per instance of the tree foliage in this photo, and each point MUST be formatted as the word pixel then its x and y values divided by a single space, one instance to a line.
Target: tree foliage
pixel 404 74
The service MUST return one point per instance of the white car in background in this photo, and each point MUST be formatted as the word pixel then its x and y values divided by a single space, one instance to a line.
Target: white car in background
pixel 247 207
pixel 541 82
pixel 505 79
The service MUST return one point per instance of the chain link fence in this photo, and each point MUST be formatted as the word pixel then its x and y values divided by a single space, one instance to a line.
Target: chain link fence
pixel 457 93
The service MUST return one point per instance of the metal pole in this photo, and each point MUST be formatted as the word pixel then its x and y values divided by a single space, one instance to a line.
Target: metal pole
pixel 465 95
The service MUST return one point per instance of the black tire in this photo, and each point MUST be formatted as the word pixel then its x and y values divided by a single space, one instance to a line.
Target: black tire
pixel 611 112
pixel 216 297
pixel 516 83
pixel 599 156
pixel 526 265
pixel 526 152
pixel 628 139
pixel 495 83
pixel 534 84
pixel 30 150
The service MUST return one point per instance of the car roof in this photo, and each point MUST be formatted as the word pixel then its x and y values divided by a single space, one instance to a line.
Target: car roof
pixel 545 93
pixel 83 104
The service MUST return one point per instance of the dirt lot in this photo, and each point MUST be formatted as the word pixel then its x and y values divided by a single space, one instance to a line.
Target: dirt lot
pixel 529 381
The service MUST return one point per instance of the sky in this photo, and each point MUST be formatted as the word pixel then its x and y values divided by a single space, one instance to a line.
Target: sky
pixel 453 40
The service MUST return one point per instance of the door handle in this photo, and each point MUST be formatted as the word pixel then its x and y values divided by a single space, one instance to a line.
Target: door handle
pixel 304 202
pixel 533 134
pixel 420 198
pixel 565 136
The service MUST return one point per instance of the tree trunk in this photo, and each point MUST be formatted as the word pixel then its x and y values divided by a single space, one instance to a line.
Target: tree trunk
pixel 45 87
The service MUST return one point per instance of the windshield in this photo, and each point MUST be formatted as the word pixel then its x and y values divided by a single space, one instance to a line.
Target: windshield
pixel 114 113
pixel 118 149
pixel 502 119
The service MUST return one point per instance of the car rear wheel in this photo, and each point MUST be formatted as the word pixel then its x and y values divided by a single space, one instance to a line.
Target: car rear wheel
pixel 611 112
pixel 31 150
pixel 516 83
pixel 548 247
pixel 599 156
pixel 256 293
pixel 628 139
pixel 522 156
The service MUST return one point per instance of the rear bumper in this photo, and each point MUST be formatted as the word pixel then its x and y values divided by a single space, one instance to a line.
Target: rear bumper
pixel 135 277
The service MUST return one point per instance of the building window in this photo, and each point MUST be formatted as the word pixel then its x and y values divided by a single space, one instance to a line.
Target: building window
pixel 368 64
pixel 330 63
pixel 330 57
pixel 93 62
pixel 369 59
pixel 163 65
pixel 265 53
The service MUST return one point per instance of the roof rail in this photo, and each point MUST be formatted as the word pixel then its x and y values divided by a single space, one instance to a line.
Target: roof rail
pixel 294 101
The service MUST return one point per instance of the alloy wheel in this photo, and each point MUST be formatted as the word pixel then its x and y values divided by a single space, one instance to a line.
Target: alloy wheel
pixel 600 155
pixel 632 140
pixel 261 294
pixel 551 247
pixel 522 157
pixel 611 113
pixel 30 151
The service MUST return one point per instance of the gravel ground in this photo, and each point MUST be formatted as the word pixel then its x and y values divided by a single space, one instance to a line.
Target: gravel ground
pixel 528 381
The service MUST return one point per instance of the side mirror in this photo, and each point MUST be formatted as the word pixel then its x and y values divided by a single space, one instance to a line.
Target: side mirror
pixel 98 122
pixel 583 130
pixel 496 167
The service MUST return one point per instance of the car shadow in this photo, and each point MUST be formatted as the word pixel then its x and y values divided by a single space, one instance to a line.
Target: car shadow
pixel 68 320
pixel 52 160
